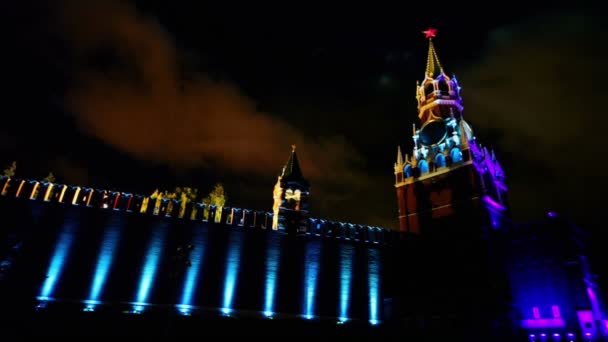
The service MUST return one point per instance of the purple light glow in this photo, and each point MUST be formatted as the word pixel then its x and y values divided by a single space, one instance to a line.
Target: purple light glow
pixel 536 312
pixel 542 323
pixel 585 317
pixel 493 203
pixel 595 305
pixel 591 294
pixel 555 310
pixel 552 214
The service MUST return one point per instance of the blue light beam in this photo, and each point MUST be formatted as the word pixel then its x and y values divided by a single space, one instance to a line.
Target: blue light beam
pixel 346 273
pixel 150 267
pixel 311 272
pixel 196 259
pixel 373 277
pixel 232 268
pixel 59 258
pixel 272 268
pixel 107 252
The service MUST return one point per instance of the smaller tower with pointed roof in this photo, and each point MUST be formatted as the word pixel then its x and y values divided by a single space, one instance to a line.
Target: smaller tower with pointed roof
pixel 290 195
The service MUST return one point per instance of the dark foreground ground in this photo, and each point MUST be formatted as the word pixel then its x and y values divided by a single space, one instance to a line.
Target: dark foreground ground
pixel 69 319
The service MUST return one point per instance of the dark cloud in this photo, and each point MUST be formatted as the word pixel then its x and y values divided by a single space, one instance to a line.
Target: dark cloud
pixel 540 87
pixel 131 93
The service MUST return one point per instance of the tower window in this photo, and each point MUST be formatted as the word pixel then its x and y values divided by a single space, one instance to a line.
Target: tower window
pixel 423 166
pixel 407 171
pixel 444 89
pixel 555 311
pixel 456 155
pixel 536 312
pixel 291 194
pixel 428 89
pixel 439 160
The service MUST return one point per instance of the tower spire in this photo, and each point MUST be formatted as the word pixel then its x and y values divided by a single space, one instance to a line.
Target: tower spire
pixel 292 171
pixel 432 63
pixel 399 156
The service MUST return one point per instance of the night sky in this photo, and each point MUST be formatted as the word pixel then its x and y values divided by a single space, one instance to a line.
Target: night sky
pixel 141 95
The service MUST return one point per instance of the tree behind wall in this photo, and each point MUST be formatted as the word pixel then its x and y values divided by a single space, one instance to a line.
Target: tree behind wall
pixel 216 197
pixel 10 171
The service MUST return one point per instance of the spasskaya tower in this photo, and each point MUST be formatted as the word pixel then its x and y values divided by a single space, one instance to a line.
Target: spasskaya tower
pixel 449 179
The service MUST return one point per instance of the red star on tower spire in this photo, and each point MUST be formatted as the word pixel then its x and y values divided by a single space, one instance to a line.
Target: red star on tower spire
pixel 430 32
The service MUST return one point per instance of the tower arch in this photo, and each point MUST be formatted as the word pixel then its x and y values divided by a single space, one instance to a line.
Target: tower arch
pixel 408 171
pixel 423 166
pixel 440 160
pixel 456 155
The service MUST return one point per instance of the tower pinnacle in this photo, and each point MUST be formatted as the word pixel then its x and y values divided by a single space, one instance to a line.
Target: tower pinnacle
pixel 399 156
pixel 432 63
pixel 430 32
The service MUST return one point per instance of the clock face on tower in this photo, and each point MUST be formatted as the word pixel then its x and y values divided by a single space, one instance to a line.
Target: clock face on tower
pixel 433 132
